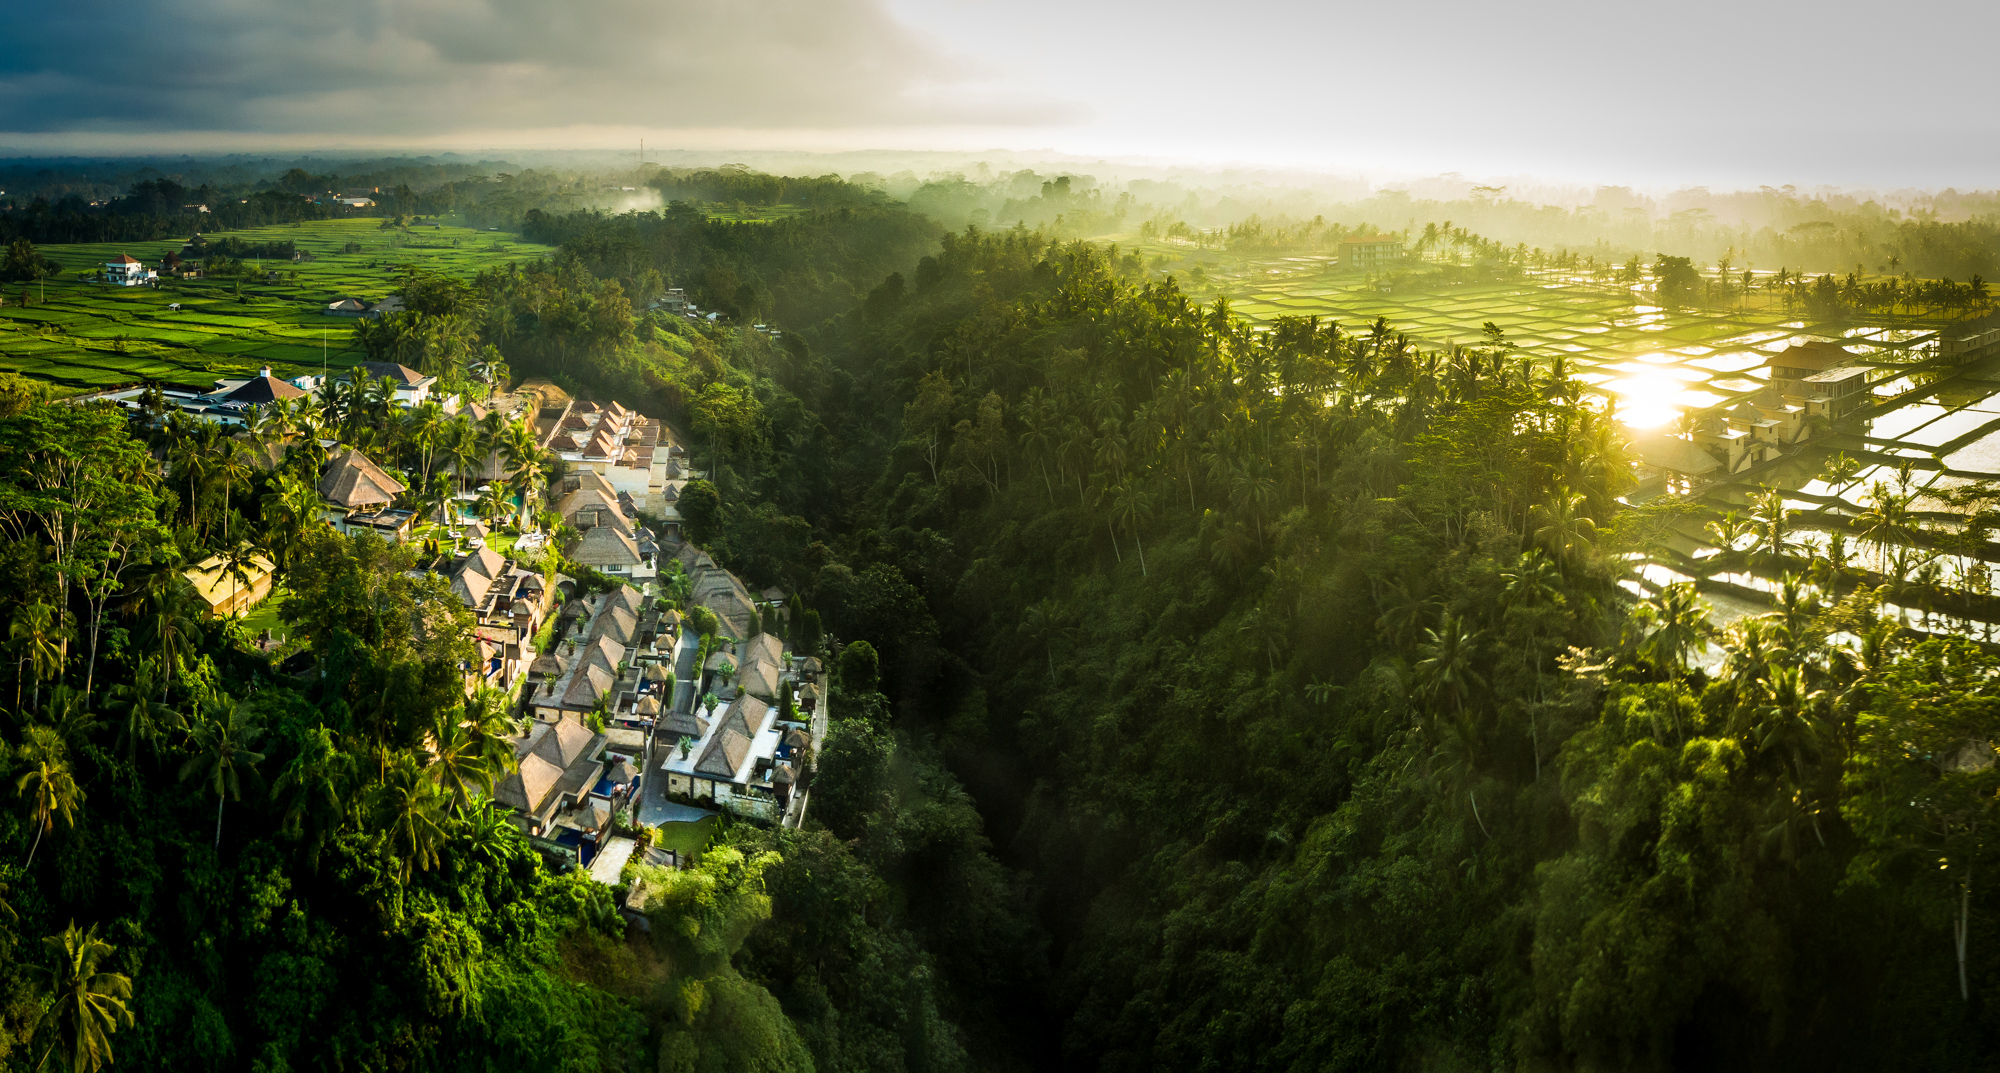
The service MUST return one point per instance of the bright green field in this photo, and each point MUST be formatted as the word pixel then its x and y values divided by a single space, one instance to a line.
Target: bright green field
pixel 91 336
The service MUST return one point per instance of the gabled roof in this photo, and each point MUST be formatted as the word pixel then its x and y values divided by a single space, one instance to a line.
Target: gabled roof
pixel 352 480
pixel 550 755
pixel 473 579
pixel 616 623
pixel 1816 355
pixel 124 259
pixel 547 665
pixel 627 597
pixel 598 509
pixel 1838 375
pixel 263 389
pixel 719 591
pixel 403 375
pixel 762 666
pixel 526 788
pixel 730 744
pixel 590 478
pixel 606 652
pixel 681 725
pixel 589 683
pixel 605 545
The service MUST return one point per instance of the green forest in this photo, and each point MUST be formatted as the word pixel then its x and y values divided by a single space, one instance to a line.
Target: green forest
pixel 1207 699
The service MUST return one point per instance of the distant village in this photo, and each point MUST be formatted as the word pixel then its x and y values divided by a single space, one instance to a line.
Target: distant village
pixel 671 697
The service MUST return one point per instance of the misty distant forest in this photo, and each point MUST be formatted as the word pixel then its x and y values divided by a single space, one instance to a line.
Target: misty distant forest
pixel 1208 698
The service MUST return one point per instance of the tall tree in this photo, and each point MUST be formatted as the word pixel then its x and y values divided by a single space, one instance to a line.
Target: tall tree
pixel 221 753
pixel 89 1005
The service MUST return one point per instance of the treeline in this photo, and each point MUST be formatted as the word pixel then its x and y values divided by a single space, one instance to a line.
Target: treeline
pixel 797 271
pixel 729 185
pixel 154 213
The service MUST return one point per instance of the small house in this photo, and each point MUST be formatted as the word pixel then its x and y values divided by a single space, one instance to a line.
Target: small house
pixel 125 270
pixel 231 589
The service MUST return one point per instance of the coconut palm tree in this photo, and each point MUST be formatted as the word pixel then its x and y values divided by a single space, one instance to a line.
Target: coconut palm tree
pixel 1444 670
pixel 146 716
pixel 222 754
pixel 232 470
pixel 464 763
pixel 1130 502
pixel 171 623
pixel 410 809
pixel 47 785
pixel 89 1005
pixel 493 502
pixel 239 563
pixel 468 455
pixel 313 791
pixel 1679 623
pixel 37 643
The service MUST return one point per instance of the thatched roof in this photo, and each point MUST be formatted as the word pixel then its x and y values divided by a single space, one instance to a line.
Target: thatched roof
pixel 352 480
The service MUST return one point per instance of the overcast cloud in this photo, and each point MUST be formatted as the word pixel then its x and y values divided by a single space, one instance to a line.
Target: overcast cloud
pixel 417 67
pixel 1727 92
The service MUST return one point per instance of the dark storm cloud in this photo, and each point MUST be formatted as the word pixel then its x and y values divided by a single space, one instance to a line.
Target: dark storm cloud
pixel 404 67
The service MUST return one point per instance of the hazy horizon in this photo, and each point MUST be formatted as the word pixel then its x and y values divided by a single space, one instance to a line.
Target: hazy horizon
pixel 1555 93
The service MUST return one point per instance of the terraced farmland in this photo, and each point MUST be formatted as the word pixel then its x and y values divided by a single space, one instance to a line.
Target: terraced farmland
pixel 1934 428
pixel 86 336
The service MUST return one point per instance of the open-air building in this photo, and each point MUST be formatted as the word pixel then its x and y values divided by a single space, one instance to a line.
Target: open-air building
pixel 358 496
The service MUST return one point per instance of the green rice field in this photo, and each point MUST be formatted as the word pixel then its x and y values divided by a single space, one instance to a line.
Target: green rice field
pixel 87 336
pixel 1653 364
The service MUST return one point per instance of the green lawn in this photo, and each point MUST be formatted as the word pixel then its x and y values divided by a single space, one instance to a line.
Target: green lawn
pixel 265 616
pixel 88 336
pixel 687 839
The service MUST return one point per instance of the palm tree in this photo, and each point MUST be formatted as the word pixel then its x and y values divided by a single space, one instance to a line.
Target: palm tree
pixel 238 563
pixel 438 494
pixel 190 456
pixel 145 716
pixel 313 791
pixel 1729 530
pixel 89 1005
pixel 468 455
pixel 48 786
pixel 1562 526
pixel 464 763
pixel 36 639
pixel 1680 622
pixel 1130 502
pixel 1532 585
pixel 1444 667
pixel 1773 525
pixel 411 809
pixel 173 624
pixel 493 501
pixel 222 753
pixel 232 468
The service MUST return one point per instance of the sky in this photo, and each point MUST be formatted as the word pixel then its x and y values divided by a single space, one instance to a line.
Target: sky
pixel 1650 95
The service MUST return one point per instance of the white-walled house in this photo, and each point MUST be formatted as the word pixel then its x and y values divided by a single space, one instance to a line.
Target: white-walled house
pixel 125 270
pixel 412 387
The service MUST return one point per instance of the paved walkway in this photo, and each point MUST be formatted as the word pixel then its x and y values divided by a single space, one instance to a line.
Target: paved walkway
pixel 654 807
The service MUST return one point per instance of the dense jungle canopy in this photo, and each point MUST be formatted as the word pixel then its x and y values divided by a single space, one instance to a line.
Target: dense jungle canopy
pixel 1209 699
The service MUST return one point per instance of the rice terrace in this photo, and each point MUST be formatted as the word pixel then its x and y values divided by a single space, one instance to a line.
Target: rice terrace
pixel 83 335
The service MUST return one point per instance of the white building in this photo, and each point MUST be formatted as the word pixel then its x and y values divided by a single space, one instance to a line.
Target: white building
pixel 412 387
pixel 125 270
